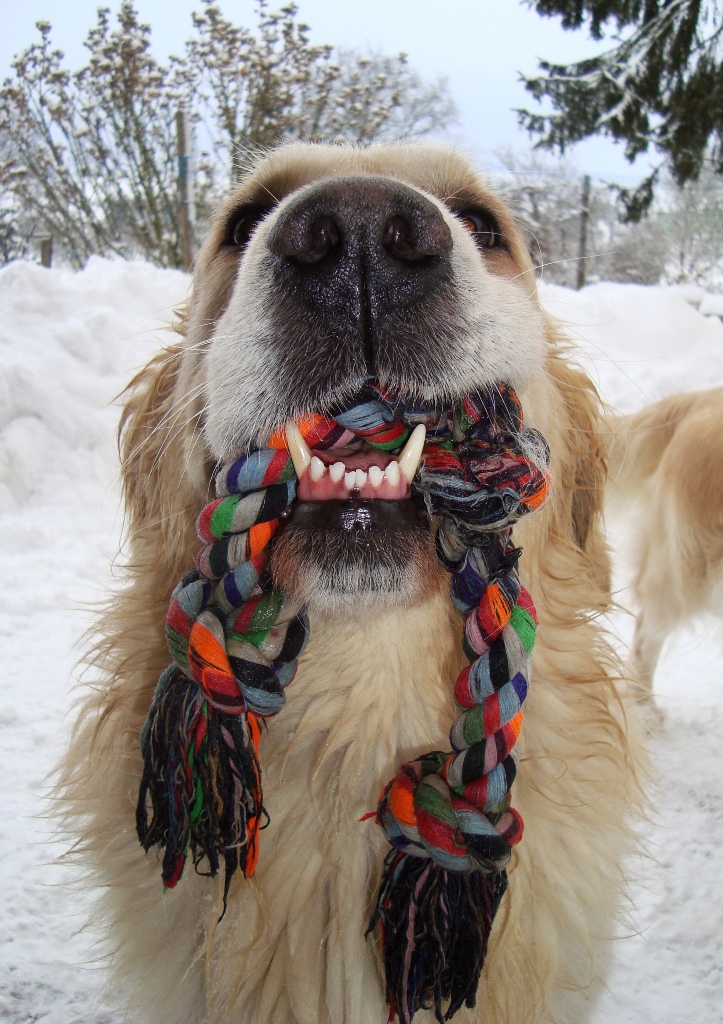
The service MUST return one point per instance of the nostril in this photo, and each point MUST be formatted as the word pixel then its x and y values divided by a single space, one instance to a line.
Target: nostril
pixel 322 237
pixel 398 240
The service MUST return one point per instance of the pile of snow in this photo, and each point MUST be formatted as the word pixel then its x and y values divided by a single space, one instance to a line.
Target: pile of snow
pixel 707 303
pixel 68 344
pixel 640 343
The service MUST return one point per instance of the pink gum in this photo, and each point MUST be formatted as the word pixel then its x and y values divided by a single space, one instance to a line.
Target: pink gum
pixel 326 490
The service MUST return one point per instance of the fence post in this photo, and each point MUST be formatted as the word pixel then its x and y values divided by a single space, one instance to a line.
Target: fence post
pixel 46 251
pixel 584 216
pixel 186 204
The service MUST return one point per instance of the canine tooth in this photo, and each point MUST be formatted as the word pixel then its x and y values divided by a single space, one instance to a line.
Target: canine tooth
pixel 349 479
pixel 376 475
pixel 337 471
pixel 298 449
pixel 360 478
pixel 317 469
pixel 412 453
pixel 392 473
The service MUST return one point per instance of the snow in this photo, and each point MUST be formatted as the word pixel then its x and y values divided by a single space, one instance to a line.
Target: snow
pixel 68 344
pixel 640 343
pixel 692 293
pixel 711 305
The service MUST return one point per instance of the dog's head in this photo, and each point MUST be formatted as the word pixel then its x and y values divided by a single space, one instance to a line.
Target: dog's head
pixel 329 266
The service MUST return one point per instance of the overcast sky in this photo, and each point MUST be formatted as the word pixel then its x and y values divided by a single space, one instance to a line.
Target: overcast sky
pixel 481 46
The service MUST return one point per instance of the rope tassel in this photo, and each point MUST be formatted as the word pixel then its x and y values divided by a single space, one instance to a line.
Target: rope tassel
pixel 201 775
pixel 435 926
pixel 235 642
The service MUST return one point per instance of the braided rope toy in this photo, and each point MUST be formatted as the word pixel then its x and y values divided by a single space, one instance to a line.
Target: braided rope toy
pixel 235 642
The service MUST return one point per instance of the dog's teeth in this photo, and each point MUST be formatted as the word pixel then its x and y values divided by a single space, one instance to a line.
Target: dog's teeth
pixel 360 478
pixel 337 471
pixel 317 469
pixel 412 453
pixel 349 479
pixel 376 475
pixel 298 449
pixel 392 473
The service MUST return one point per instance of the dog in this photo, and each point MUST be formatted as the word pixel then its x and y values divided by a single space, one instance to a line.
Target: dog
pixel 664 466
pixel 328 264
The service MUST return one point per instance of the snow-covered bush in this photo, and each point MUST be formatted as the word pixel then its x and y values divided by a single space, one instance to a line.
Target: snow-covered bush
pixel 90 157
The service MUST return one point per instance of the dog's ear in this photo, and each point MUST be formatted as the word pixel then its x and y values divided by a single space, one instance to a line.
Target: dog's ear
pixel 163 464
pixel 585 463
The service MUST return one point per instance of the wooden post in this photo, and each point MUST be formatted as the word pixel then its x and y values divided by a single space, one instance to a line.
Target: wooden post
pixel 186 201
pixel 46 251
pixel 584 216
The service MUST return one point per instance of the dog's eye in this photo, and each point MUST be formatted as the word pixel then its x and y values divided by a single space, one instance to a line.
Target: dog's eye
pixel 481 228
pixel 242 226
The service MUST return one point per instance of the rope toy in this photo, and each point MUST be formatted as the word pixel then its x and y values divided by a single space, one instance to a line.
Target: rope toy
pixel 235 643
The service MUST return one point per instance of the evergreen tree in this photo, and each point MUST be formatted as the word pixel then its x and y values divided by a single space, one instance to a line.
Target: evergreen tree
pixel 660 85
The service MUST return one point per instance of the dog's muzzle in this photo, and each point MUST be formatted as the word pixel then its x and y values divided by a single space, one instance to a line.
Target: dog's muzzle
pixel 361 255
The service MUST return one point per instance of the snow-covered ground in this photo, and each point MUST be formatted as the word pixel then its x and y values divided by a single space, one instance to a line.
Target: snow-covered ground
pixel 68 344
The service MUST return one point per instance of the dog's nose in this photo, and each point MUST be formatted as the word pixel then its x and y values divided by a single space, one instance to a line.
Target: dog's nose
pixel 348 216
pixel 355 249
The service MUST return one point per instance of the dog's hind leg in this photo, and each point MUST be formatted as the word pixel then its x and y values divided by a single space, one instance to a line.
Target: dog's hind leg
pixel 644 656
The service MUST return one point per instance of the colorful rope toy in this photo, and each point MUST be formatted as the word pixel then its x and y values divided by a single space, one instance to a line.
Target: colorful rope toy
pixel 235 643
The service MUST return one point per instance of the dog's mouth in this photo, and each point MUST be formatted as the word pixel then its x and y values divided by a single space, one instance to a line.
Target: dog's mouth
pixel 354 536
pixel 355 472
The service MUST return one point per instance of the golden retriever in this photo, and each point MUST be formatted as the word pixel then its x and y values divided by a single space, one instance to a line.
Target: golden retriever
pixel 257 349
pixel 666 468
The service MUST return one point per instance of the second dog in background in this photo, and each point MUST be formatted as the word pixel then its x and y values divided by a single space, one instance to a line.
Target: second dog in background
pixel 666 466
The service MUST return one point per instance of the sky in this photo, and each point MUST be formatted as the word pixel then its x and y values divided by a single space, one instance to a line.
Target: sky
pixel 480 46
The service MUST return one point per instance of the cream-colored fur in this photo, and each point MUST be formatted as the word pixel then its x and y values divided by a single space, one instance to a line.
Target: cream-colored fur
pixel 373 690
pixel 666 469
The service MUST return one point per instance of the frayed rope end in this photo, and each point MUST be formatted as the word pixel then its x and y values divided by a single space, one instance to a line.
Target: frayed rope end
pixel 435 925
pixel 201 776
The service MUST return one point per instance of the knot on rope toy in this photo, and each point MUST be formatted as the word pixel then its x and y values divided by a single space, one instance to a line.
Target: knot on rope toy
pixel 235 643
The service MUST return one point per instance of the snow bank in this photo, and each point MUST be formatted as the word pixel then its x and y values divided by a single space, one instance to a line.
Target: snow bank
pixel 711 305
pixel 640 343
pixel 68 344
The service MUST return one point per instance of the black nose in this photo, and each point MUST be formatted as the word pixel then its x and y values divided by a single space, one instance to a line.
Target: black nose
pixel 356 250
pixel 386 220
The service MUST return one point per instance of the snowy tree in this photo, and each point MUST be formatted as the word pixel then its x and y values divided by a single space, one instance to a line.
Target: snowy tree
pixel 547 198
pixel 255 90
pixel 90 157
pixel 660 85
pixel 247 86
pixel 13 245
pixel 691 220
pixel 372 98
